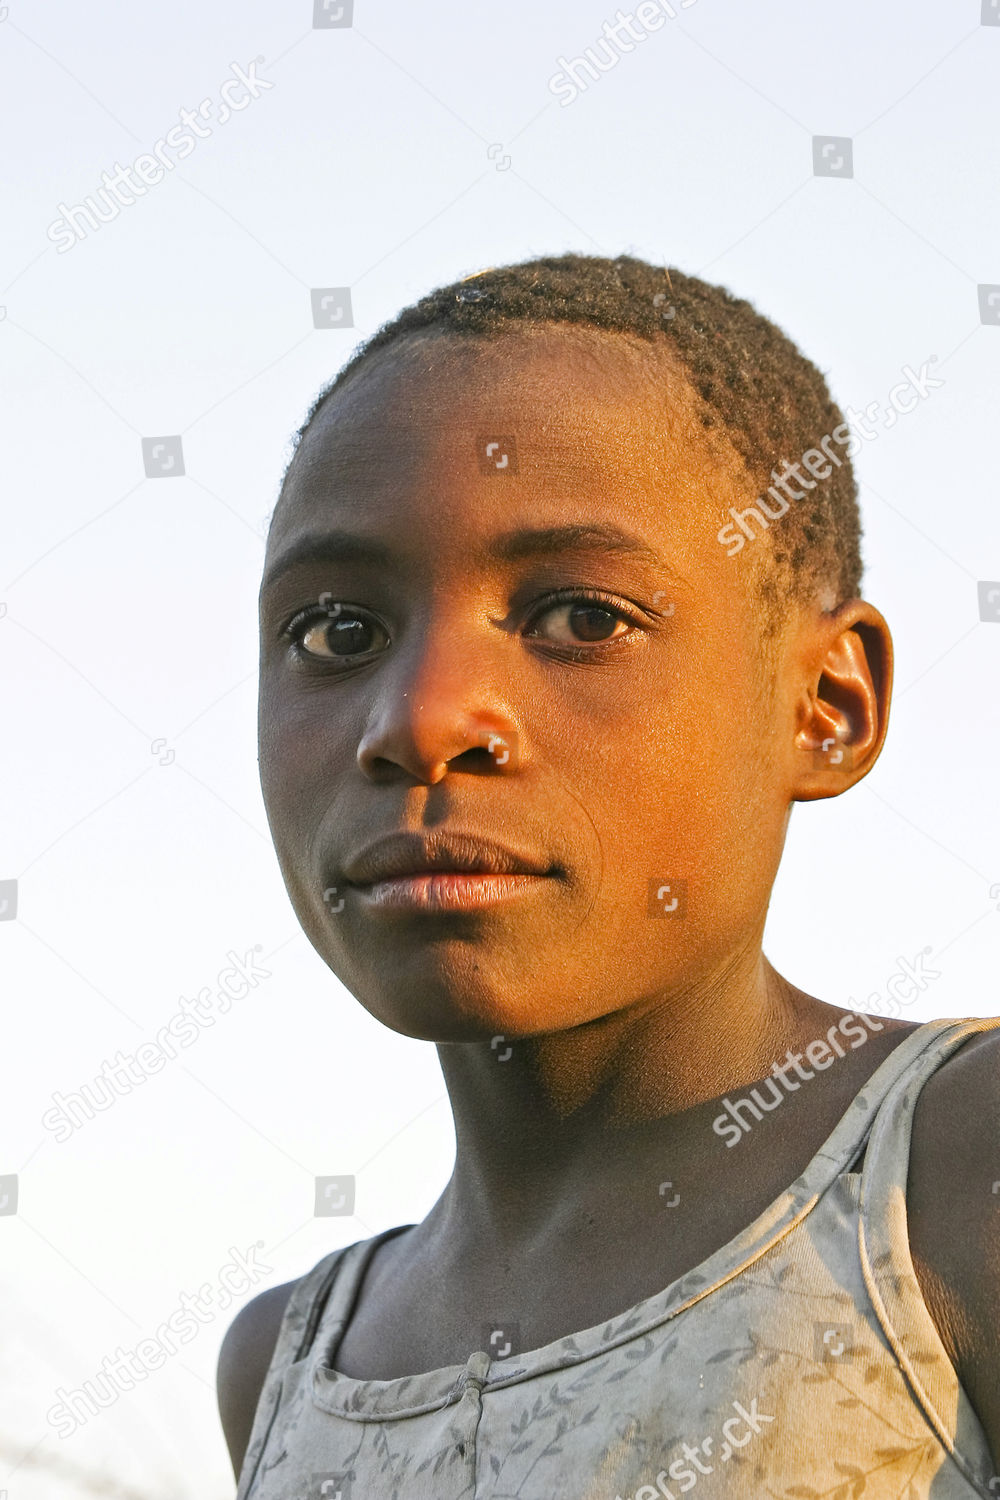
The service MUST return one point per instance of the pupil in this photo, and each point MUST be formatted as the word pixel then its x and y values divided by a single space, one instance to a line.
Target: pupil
pixel 597 623
pixel 348 636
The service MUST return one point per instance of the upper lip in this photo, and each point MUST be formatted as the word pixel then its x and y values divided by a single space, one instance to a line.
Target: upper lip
pixel 416 854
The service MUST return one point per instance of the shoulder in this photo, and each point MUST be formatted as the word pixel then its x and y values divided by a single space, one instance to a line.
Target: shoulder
pixel 244 1357
pixel 953 1209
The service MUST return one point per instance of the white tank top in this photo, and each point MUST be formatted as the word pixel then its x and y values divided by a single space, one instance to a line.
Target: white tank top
pixel 798 1360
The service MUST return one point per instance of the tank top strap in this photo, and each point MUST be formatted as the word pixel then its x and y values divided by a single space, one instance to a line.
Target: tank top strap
pixel 887 1265
pixel 301 1318
pixel 850 1139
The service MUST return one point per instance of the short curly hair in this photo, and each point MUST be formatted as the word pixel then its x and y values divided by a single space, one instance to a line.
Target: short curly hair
pixel 750 380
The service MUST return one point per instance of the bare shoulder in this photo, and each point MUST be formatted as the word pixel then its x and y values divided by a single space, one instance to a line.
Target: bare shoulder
pixel 953 1208
pixel 244 1357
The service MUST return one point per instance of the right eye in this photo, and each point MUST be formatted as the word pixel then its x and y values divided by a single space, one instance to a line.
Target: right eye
pixel 332 634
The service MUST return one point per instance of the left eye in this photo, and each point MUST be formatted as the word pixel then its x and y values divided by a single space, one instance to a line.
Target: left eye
pixel 323 633
pixel 591 617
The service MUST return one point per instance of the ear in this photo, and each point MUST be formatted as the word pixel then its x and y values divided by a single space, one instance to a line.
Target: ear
pixel 843 709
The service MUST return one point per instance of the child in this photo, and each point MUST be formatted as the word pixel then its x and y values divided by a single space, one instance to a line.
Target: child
pixel 531 730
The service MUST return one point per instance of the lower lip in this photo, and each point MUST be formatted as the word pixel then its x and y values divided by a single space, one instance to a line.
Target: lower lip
pixel 452 892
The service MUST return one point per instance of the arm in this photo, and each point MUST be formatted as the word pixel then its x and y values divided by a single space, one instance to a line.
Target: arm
pixel 244 1356
pixel 954 1217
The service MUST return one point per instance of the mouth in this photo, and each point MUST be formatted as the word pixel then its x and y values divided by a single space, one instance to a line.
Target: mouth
pixel 450 890
pixel 443 871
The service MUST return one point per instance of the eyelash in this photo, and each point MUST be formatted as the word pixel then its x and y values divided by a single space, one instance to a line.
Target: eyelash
pixel 296 626
pixel 587 596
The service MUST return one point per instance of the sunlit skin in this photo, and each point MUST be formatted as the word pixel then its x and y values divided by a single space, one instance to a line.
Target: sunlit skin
pixel 656 747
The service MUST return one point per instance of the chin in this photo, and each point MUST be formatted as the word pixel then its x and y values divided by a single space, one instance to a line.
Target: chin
pixel 465 1004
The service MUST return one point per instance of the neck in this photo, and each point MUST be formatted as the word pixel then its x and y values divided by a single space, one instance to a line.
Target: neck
pixel 586 1115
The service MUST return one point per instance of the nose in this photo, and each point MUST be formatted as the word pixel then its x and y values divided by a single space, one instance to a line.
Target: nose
pixel 445 695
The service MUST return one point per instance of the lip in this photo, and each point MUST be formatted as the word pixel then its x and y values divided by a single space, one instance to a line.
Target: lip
pixel 407 858
pixel 445 891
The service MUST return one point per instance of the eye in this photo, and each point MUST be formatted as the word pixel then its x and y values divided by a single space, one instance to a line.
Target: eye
pixel 589 613
pixel 338 633
pixel 334 633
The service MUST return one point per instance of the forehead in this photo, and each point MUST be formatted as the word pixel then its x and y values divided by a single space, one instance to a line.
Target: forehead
pixel 600 426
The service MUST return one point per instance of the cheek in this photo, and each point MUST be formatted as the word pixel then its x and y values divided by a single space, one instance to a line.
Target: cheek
pixel 296 759
pixel 276 762
pixel 687 799
pixel 296 765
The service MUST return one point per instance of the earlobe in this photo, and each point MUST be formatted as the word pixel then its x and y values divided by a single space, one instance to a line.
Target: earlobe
pixel 844 713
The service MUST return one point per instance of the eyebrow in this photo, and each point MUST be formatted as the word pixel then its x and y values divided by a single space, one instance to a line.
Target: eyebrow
pixel 511 546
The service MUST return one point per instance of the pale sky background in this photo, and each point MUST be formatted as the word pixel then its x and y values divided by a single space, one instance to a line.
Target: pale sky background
pixel 132 815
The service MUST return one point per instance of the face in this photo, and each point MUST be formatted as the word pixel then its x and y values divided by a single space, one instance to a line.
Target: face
pixel 520 626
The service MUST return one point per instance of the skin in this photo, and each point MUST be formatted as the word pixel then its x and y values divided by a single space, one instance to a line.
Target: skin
pixel 654 742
